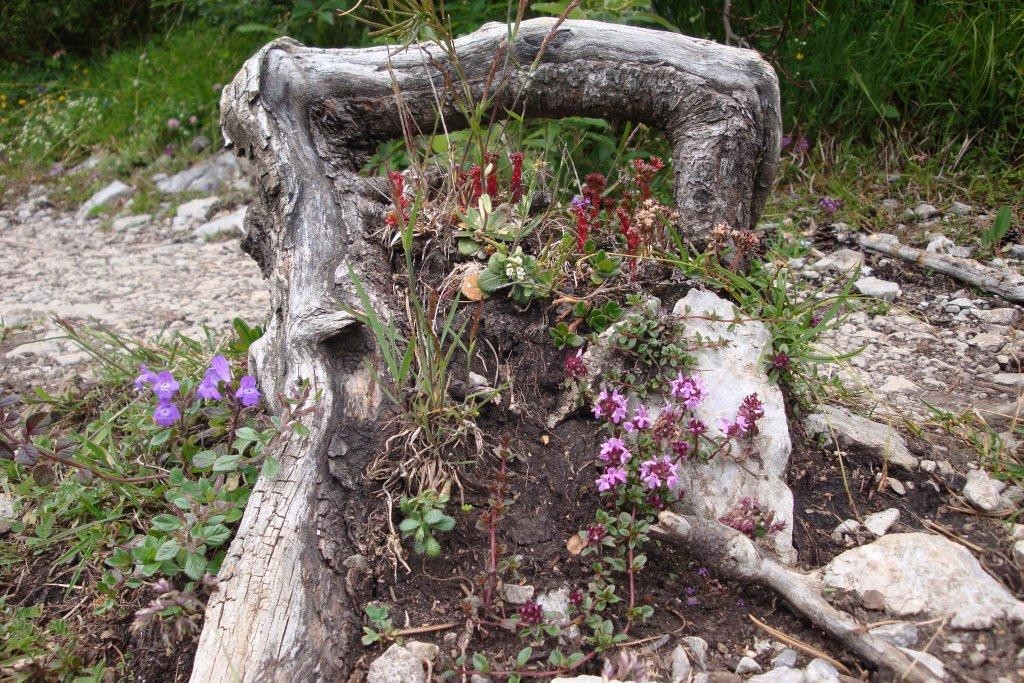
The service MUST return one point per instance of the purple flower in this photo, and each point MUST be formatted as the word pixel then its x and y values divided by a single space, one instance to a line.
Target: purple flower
pixel 596 533
pixel 247 392
pixel 696 427
pixel 193 120
pixel 615 449
pixel 531 613
pixel 641 418
pixel 830 204
pixel 578 202
pixel 703 571
pixel 574 365
pixel 787 140
pixel 220 367
pixel 173 123
pixel 659 472
pixel 611 406
pixel 612 477
pixel 737 427
pixel 681 449
pixel 208 387
pixel 145 378
pixel 166 414
pixel 165 386
pixel 780 361
pixel 691 389
pixel 802 144
pixel 692 602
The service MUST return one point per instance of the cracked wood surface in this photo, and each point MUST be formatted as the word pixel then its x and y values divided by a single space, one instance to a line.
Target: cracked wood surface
pixel 288 605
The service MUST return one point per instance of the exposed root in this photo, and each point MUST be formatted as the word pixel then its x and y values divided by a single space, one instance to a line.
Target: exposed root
pixel 738 557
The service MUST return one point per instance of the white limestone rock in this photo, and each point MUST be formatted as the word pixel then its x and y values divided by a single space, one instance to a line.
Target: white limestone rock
pixel 918 573
pixel 733 371
pixel 112 192
pixel 879 289
pixel 982 491
pixel 854 430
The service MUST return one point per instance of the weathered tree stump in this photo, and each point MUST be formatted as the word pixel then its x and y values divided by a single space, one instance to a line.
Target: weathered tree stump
pixel 288 604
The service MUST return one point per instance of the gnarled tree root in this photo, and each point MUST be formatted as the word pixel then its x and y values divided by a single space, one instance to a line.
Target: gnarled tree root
pixel 737 557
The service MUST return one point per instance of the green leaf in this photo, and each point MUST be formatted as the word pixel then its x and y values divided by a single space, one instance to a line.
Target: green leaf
pixel 160 437
pixel 270 467
pixel 468 247
pixel 370 636
pixel 204 459
pixel 446 523
pixel 167 550
pixel 490 282
pixel 226 463
pixel 524 656
pixel 433 516
pixel 408 525
pixel 166 522
pixel 255 28
pixel 247 434
pixel 195 565
pixel 433 548
pixel 480 664
pixel 216 534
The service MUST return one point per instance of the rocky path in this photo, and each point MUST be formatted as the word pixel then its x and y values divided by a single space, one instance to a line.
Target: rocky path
pixel 139 274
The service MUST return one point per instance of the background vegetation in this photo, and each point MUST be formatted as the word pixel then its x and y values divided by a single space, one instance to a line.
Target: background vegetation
pixel 941 78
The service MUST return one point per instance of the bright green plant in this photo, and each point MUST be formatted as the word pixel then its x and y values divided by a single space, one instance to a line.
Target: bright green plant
pixel 519 273
pixel 992 237
pixel 381 628
pixel 424 517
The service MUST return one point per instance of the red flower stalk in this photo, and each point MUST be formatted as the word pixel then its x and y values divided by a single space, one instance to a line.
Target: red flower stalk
pixel 475 178
pixel 644 172
pixel 593 186
pixel 492 178
pixel 516 186
pixel 401 202
pixel 581 208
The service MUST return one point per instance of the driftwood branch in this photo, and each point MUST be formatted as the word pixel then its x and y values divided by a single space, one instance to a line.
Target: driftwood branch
pixel 293 582
pixel 737 557
pixel 1004 282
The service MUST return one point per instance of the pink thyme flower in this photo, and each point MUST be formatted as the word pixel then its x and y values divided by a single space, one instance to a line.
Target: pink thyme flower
pixel 628 427
pixel 610 406
pixel 691 390
pixel 641 418
pixel 612 477
pixel 596 533
pixel 531 613
pixel 574 365
pixel 738 427
pixel 696 427
pixel 659 472
pixel 615 449
pixel 173 123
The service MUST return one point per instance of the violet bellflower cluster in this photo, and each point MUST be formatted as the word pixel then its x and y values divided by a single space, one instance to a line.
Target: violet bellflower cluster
pixel 163 385
pixel 647 452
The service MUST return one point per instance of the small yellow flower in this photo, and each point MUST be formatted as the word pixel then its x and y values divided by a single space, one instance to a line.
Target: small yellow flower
pixel 799 56
pixel 22 102
pixel 61 98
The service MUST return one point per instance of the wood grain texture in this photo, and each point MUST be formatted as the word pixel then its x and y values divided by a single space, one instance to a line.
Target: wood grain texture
pixel 291 588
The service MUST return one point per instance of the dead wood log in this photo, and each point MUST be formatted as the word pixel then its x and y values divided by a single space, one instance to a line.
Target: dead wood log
pixel 1002 281
pixel 292 583
pixel 737 557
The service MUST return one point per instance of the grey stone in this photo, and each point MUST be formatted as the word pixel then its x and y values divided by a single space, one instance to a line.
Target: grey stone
pixel 747 665
pixel 681 668
pixel 698 647
pixel 230 224
pixel 879 289
pixel 924 211
pixel 854 430
pixel 1018 551
pixel 901 633
pixel 195 211
pixel 112 192
pixel 939 244
pixel 820 671
pixel 199 143
pixel 878 523
pixel 842 261
pixel 131 221
pixel 87 165
pixel 982 491
pixel 425 651
pixel 782 674
pixel 919 573
pixel 206 176
pixel 516 595
pixel 786 658
pixel 849 526
pixel 735 370
pixel 960 209
pixel 995 316
pixel 1009 379
pixel 396 665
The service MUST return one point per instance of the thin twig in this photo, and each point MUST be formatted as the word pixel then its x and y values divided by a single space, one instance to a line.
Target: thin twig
pixel 800 645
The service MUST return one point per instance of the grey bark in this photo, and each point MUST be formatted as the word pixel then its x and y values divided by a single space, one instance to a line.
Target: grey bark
pixel 292 584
